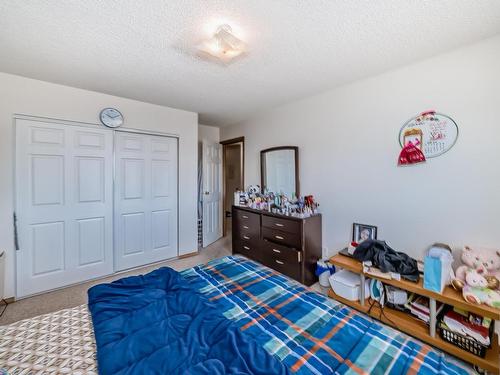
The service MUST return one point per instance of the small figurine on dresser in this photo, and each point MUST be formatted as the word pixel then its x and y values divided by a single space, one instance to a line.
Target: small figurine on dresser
pixel 478 277
pixel 277 203
pixel 254 190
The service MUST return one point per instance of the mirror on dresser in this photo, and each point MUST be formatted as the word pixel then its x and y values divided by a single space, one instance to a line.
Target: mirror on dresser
pixel 279 168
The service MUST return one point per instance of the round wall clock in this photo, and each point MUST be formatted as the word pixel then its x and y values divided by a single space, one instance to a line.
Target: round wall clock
pixel 111 117
pixel 434 133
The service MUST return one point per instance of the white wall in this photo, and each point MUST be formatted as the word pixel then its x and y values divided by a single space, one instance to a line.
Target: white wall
pixel 210 133
pixel 20 95
pixel 348 145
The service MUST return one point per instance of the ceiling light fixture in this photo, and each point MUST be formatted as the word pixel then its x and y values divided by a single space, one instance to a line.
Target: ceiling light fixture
pixel 223 44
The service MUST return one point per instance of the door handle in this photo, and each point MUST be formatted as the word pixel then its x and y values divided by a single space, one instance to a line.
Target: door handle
pixel 279 237
pixel 246 237
pixel 245 217
pixel 16 238
pixel 279 262
pixel 277 251
pixel 245 227
pixel 246 247
pixel 279 225
pixel 207 192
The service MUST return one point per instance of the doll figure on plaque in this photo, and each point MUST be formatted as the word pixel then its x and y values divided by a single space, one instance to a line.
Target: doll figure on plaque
pixel 414 136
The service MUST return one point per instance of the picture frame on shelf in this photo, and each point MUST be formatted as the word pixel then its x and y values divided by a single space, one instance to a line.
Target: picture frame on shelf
pixel 362 232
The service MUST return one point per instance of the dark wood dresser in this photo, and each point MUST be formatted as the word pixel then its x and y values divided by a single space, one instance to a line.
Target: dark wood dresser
pixel 287 244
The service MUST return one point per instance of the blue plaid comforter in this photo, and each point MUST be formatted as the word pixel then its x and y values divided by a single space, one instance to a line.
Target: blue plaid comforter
pixel 309 333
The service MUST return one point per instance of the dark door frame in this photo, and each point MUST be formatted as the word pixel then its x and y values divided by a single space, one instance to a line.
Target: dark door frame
pixel 224 144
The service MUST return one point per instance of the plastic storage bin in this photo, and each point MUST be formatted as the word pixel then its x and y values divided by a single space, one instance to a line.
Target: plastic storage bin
pixel 346 284
pixel 463 342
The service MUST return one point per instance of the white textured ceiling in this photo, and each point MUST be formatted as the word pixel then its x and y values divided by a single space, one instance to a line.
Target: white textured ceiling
pixel 143 49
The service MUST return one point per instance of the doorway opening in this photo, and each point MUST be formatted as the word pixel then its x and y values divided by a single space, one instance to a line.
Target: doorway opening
pixel 233 167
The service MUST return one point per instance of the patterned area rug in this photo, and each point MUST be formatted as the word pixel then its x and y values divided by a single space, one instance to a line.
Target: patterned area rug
pixel 61 342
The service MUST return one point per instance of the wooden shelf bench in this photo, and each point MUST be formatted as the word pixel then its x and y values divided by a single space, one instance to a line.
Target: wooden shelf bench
pixel 413 326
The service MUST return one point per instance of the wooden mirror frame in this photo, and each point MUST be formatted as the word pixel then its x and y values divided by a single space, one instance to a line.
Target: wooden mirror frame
pixel 263 165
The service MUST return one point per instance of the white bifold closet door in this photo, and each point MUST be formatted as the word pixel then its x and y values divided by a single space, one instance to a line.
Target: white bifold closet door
pixel 145 218
pixel 64 204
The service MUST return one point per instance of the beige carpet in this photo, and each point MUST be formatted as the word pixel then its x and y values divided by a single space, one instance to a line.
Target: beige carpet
pixel 76 295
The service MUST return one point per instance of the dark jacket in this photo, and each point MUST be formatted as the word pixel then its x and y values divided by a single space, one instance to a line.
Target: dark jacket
pixel 387 259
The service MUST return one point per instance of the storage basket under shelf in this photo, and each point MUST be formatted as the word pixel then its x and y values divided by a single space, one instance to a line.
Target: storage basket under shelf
pixel 463 342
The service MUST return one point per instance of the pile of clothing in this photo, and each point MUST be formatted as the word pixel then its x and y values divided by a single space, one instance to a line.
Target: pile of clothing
pixel 387 259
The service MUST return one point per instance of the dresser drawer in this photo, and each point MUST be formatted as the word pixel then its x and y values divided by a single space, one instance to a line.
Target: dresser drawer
pixel 245 219
pixel 246 226
pixel 245 229
pixel 252 237
pixel 247 249
pixel 280 264
pixel 284 238
pixel 280 252
pixel 286 225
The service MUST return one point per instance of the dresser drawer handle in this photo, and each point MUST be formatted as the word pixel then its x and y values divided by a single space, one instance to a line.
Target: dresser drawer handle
pixel 246 247
pixel 279 262
pixel 279 225
pixel 279 237
pixel 277 251
pixel 245 227
pixel 245 217
pixel 246 237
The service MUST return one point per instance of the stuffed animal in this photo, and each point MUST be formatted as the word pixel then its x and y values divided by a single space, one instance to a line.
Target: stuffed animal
pixel 475 280
pixel 485 262
pixel 475 289
pixel 491 261
pixel 477 286
pixel 492 298
pixel 478 295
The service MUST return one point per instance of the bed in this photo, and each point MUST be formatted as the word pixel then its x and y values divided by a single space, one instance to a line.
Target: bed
pixel 307 332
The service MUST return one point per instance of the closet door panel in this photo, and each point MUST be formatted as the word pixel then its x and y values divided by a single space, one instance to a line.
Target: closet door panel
pixel 64 206
pixel 134 226
pixel 92 201
pixel 160 229
pixel 145 199
pixel 91 241
pixel 48 250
